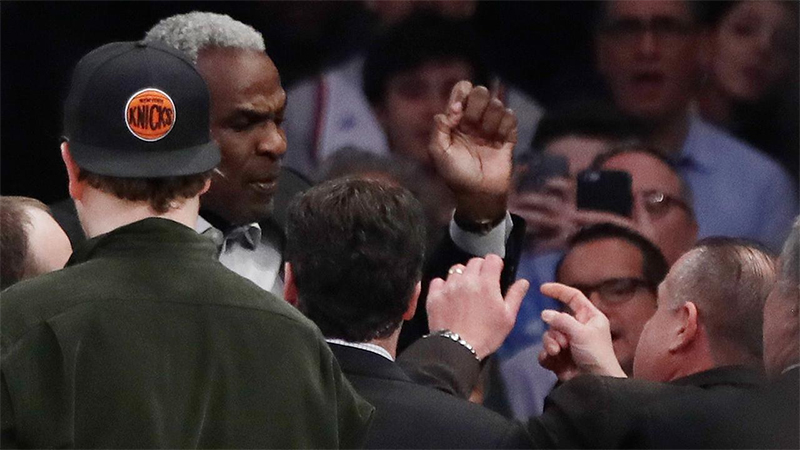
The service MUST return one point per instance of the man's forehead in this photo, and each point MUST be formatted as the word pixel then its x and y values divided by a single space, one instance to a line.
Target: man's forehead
pixel 623 261
pixel 647 171
pixel 646 9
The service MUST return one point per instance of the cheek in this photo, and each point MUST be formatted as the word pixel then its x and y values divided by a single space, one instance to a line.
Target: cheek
pixel 728 59
pixel 636 316
pixel 234 154
pixel 644 354
pixel 612 63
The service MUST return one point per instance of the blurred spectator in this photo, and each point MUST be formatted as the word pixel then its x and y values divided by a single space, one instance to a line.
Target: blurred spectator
pixel 436 199
pixel 619 271
pixel 648 54
pixel 31 241
pixel 663 208
pixel 576 135
pixel 355 250
pixel 381 99
pixel 750 74
pixel 408 74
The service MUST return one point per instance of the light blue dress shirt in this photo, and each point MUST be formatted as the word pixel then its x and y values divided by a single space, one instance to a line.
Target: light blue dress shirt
pixel 738 191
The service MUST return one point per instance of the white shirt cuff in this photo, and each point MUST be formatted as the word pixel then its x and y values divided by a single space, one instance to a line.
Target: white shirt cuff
pixel 483 244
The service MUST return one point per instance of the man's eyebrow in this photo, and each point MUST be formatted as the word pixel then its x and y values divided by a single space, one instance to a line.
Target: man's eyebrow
pixel 258 114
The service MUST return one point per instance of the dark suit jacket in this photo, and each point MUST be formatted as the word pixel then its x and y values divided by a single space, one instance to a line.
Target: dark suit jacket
pixel 292 183
pixel 762 418
pixel 604 412
pixel 408 415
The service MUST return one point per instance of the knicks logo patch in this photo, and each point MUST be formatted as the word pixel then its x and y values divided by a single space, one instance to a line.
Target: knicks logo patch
pixel 150 114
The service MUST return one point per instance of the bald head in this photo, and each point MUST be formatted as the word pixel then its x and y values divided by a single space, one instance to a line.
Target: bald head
pixel 662 200
pixel 729 280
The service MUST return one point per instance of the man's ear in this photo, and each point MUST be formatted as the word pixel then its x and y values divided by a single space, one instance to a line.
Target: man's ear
pixel 75 185
pixel 289 285
pixel 206 186
pixel 687 329
pixel 412 304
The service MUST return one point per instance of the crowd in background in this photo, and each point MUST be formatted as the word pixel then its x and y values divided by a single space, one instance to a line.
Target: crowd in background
pixel 645 161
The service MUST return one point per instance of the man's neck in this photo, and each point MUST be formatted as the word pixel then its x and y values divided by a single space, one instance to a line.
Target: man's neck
pixel 389 344
pixel 670 133
pixel 715 106
pixel 100 212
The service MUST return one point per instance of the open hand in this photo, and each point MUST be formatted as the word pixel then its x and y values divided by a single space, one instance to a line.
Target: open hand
pixel 470 303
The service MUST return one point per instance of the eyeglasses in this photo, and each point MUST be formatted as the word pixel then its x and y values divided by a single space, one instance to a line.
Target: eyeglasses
pixel 614 291
pixel 661 27
pixel 658 203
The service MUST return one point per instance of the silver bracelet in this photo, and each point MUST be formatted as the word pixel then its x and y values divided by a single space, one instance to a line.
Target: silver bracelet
pixel 455 338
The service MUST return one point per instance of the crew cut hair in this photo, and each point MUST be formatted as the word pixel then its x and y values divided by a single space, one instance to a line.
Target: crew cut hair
pixel 654 265
pixel 194 31
pixel 728 279
pixel 356 248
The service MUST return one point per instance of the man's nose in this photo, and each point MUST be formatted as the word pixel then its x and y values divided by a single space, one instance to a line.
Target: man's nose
pixel 648 46
pixel 271 140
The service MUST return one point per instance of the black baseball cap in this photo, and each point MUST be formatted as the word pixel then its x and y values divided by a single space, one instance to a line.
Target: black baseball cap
pixel 139 110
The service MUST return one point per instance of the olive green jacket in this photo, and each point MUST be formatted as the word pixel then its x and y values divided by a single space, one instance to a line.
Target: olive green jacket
pixel 146 340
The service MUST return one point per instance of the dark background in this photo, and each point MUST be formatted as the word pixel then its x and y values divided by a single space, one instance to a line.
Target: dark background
pixel 540 46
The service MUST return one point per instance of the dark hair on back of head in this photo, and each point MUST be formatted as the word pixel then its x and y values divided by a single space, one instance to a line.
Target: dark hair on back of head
pixel 421 38
pixel 654 265
pixel 356 247
pixel 593 119
pixel 158 192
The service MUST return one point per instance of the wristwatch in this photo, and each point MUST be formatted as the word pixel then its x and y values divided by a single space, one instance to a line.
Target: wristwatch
pixel 455 338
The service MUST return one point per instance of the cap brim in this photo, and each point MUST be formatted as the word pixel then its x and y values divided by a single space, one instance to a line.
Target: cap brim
pixel 146 164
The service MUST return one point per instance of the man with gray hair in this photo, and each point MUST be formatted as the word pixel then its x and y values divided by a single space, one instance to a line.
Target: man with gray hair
pixel 247 106
pixel 770 416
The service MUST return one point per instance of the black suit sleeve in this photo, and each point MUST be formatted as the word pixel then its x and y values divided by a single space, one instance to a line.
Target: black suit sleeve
pixel 439 262
pixel 441 363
